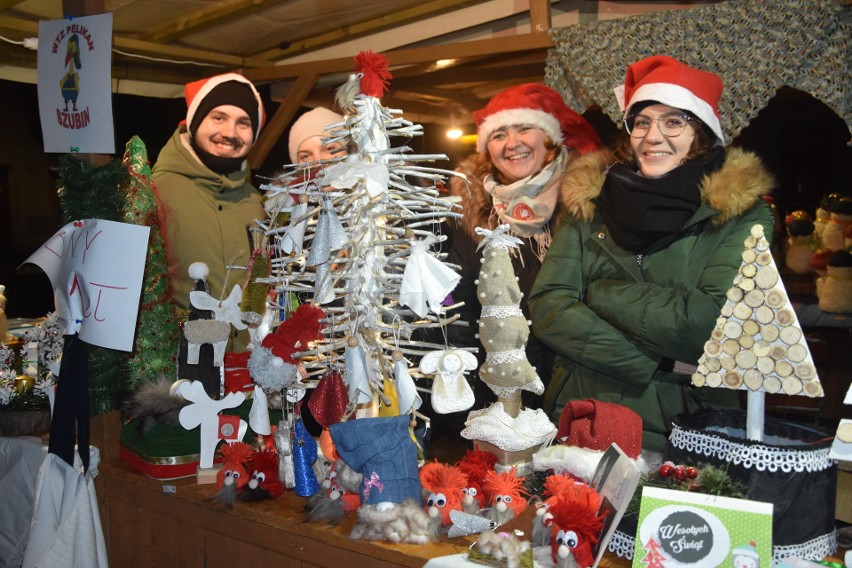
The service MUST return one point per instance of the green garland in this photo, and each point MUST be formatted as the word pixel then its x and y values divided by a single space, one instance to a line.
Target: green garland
pixel 158 329
pixel 87 191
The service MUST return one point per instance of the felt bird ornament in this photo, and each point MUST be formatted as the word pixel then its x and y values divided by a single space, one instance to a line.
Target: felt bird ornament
pixel 233 476
pixel 575 525
pixel 444 484
pixel 263 482
pixel 504 495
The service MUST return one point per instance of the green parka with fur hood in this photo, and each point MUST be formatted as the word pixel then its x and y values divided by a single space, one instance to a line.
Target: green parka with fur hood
pixel 618 326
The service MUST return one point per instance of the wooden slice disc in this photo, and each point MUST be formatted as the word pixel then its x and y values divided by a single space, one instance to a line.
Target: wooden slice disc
pixel 731 347
pixel 813 389
pixel 753 379
pixel 805 371
pixel 727 311
pixel 772 384
pixel 749 256
pixel 750 242
pixel 766 278
pixel 713 380
pixel 769 332
pixel 750 327
pixel 746 284
pixel 742 311
pixel 785 316
pixel 712 348
pixel 756 231
pixel 701 367
pixel 844 432
pixel 732 380
pixel 791 385
pixel 763 245
pixel 698 380
pixel 746 341
pixel 733 329
pixel 712 364
pixel 754 298
pixel 778 352
pixel 775 298
pixel 746 359
pixel 783 369
pixel 761 348
pixel 734 294
pixel 764 314
pixel 748 270
pixel 718 334
pixel 727 363
pixel 797 353
pixel 763 258
pixel 765 365
pixel 791 335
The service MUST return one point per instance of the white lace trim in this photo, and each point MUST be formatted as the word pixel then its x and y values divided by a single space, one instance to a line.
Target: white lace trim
pixel 501 312
pixel 531 428
pixel 622 544
pixel 815 549
pixel 756 455
pixel 94 461
pixel 503 357
pixel 535 386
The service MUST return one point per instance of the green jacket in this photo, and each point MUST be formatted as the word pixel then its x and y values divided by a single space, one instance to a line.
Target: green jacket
pixel 616 325
pixel 205 217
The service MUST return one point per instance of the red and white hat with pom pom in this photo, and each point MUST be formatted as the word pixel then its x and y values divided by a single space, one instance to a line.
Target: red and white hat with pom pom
pixel 535 105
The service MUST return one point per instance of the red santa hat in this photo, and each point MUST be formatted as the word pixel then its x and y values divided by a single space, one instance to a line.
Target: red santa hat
pixel 539 106
pixel 204 95
pixel 666 80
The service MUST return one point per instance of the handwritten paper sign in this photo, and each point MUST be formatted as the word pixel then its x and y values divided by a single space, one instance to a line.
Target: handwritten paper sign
pixel 75 84
pixel 96 268
pixel 679 528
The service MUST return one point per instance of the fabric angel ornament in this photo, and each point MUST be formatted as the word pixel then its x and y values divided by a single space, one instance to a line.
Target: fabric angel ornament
pixel 426 280
pixel 450 389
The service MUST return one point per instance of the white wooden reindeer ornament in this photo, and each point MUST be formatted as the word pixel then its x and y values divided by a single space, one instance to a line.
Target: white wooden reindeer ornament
pixel 216 331
pixel 204 412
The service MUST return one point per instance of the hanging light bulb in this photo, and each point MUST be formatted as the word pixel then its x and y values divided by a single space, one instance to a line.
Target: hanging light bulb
pixel 453 132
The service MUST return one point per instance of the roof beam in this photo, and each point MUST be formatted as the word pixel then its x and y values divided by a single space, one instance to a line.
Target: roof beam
pixel 367 27
pixel 281 119
pixel 477 48
pixel 206 19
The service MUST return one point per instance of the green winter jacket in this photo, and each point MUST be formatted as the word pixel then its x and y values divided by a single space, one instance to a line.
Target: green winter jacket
pixel 205 217
pixel 617 326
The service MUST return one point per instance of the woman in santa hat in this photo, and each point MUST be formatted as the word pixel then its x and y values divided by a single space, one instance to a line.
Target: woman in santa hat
pixel 649 244
pixel 526 138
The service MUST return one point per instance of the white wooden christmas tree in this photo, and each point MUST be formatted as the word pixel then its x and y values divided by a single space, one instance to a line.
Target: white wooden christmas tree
pixel 758 344
pixel 360 242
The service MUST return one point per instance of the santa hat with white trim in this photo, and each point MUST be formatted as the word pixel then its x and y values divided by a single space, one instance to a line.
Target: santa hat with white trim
pixel 666 80
pixel 204 95
pixel 535 105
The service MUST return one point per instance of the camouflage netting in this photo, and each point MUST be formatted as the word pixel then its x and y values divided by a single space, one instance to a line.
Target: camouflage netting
pixel 756 47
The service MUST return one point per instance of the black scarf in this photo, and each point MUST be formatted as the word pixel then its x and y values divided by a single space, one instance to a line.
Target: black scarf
pixel 644 214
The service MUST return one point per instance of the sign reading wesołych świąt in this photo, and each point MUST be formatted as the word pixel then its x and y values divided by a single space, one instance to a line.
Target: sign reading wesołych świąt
pixel 96 268
pixel 75 84
pixel 684 529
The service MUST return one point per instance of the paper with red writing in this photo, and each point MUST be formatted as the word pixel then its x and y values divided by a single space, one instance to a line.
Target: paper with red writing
pixel 96 268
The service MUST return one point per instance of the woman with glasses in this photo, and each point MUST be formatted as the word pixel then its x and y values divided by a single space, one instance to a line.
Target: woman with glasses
pixel 651 241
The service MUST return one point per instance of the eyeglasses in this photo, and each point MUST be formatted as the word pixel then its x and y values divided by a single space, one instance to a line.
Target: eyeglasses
pixel 671 125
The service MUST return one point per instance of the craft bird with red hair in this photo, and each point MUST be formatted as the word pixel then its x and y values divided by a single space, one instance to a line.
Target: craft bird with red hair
pixel 445 484
pixel 575 523
pixel 504 493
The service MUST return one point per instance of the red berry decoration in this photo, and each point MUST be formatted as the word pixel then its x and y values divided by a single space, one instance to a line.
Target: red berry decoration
pixel 666 470
pixel 691 472
pixel 680 473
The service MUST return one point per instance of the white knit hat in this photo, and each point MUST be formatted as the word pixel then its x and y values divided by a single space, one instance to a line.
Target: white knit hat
pixel 312 123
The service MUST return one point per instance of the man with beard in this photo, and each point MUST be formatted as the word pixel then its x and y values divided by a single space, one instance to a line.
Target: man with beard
pixel 206 202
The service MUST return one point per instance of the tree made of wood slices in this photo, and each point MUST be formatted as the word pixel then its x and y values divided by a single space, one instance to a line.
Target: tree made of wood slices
pixel 503 333
pixel 358 240
pixel 758 344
